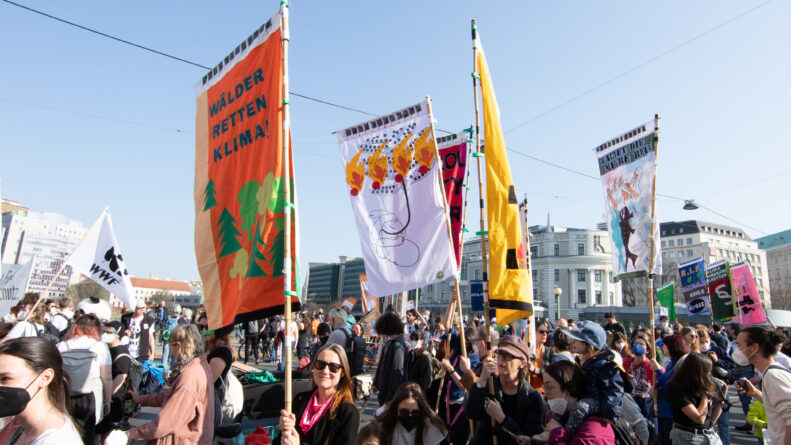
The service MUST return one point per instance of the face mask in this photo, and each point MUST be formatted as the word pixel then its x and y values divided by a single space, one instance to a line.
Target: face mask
pixel 408 422
pixel 705 346
pixel 53 311
pixel 638 350
pixel 559 405
pixel 14 400
pixel 619 346
pixel 664 325
pixel 475 349
pixel 124 340
pixel 739 357
pixel 108 338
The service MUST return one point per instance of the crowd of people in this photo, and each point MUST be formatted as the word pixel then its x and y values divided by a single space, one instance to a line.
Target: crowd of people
pixel 66 377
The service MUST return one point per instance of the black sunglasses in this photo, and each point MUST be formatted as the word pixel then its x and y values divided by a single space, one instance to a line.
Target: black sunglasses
pixel 506 356
pixel 542 331
pixel 321 364
pixel 406 412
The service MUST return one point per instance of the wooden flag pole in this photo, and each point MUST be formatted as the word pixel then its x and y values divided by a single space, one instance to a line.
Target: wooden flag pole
pixel 531 326
pixel 447 223
pixel 484 258
pixel 287 207
pixel 651 258
pixel 62 267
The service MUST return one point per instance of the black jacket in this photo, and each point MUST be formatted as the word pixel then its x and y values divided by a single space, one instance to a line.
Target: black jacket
pixel 393 368
pixel 341 430
pixel 528 419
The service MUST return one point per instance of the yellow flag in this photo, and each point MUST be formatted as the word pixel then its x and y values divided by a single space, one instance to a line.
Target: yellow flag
pixel 510 288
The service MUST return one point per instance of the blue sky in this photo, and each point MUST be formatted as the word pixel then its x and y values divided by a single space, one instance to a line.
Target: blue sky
pixel 124 135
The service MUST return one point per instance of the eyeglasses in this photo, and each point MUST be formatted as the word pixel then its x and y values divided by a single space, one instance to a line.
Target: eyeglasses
pixel 406 412
pixel 203 327
pixel 541 331
pixel 505 356
pixel 321 364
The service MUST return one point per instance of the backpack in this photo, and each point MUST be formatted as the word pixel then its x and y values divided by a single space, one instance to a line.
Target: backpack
pixel 50 333
pixel 78 364
pixel 152 379
pixel 355 350
pixel 171 323
pixel 135 374
pixel 624 434
pixel 436 368
pixel 230 397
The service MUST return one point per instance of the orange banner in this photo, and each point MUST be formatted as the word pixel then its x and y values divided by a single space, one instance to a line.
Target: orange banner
pixel 239 206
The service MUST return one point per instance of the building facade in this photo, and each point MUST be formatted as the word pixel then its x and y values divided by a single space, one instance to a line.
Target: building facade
pixel 575 261
pixel 329 283
pixel 50 238
pixel 778 262
pixel 686 240
pixel 147 289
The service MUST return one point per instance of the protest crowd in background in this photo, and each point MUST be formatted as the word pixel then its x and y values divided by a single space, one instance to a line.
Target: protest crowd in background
pixel 68 372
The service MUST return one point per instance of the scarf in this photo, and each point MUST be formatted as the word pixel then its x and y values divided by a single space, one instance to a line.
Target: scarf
pixel 313 412
pixel 178 367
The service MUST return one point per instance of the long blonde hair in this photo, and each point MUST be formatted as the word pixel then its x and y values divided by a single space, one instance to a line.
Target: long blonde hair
pixel 344 391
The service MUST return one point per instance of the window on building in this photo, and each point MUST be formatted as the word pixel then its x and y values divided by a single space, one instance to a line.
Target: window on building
pixel 690 253
pixel 663 244
pixel 533 251
pixel 535 276
pixel 581 297
pixel 442 294
pixel 610 297
pixel 597 276
pixel 689 241
pixel 580 249
pixel 598 297
pixel 580 275
pixel 477 274
pixel 557 275
pixel 681 254
pixel 671 243
pixel 609 277
pixel 557 249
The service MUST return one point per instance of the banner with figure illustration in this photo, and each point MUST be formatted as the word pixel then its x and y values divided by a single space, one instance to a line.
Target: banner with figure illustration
pixel 239 187
pixel 394 187
pixel 748 301
pixel 627 164
pixel 453 154
pixel 693 287
pixel 718 280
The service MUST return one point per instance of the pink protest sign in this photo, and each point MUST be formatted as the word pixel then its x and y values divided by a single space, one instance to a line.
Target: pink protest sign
pixel 748 302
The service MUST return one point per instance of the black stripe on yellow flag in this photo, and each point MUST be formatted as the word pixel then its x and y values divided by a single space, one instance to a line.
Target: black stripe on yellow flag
pixel 510 288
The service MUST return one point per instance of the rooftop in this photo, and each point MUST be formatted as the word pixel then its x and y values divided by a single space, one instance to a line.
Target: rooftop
pixel 160 284
pixel 672 228
pixel 774 240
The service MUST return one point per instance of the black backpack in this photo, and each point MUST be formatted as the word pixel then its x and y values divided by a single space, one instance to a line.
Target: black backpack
pixel 50 333
pixel 624 434
pixel 68 323
pixel 355 350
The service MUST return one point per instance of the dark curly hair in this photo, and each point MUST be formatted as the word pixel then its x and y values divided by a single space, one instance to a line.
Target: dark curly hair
pixel 389 323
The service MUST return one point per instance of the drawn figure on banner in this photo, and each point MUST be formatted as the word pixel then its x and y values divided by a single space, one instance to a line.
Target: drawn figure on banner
pixel 623 193
pixel 387 228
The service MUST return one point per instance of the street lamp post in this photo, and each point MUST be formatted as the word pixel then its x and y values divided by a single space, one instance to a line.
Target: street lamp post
pixel 558 292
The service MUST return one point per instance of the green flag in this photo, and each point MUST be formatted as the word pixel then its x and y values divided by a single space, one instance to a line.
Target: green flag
pixel 665 296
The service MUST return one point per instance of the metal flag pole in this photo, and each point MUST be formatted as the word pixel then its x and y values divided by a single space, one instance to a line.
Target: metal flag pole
pixel 482 232
pixel 447 223
pixel 651 257
pixel 531 326
pixel 287 207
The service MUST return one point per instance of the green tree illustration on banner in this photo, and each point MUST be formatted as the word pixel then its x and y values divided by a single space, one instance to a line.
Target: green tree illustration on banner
pixel 254 269
pixel 276 250
pixel 209 193
pixel 248 199
pixel 228 234
pixel 239 267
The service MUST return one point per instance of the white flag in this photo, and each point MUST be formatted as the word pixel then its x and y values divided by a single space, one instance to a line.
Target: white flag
pixel 99 258
pixel 13 284
pixel 394 188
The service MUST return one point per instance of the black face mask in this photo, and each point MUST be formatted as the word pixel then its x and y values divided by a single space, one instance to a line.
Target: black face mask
pixel 409 422
pixel 14 400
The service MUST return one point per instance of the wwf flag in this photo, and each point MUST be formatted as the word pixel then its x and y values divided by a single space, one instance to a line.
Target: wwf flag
pixel 99 258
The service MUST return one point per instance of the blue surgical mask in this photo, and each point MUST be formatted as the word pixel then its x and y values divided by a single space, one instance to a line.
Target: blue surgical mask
pixel 638 350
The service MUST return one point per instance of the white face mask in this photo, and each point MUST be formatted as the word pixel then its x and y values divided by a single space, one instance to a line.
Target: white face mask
pixel 664 325
pixel 53 311
pixel 108 338
pixel 559 405
pixel 705 346
pixel 739 357
pixel 619 346
pixel 475 349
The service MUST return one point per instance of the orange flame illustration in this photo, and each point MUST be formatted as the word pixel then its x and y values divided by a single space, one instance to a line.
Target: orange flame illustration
pixel 377 167
pixel 402 158
pixel 424 151
pixel 355 173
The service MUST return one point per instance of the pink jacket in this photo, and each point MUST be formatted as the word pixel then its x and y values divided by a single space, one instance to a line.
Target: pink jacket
pixel 593 431
pixel 187 414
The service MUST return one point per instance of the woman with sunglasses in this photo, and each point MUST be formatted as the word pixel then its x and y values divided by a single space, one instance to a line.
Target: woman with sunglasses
pixel 542 358
pixel 516 408
pixel 326 414
pixel 408 419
